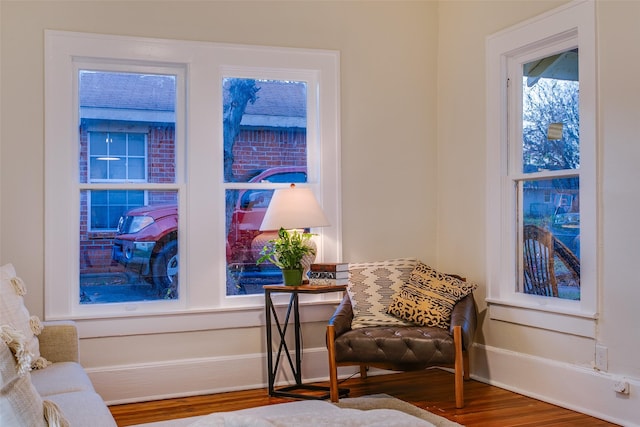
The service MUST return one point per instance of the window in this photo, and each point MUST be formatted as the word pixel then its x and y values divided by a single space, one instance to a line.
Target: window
pixel 265 144
pixel 542 172
pixel 171 218
pixel 550 165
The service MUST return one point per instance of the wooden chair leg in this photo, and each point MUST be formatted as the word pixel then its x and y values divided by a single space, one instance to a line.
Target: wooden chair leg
pixel 458 367
pixel 334 394
pixel 363 371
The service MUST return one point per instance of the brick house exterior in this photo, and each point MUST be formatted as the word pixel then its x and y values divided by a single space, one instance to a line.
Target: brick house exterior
pixel 259 146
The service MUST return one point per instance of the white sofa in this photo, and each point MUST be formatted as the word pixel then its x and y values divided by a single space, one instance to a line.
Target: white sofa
pixel 65 382
pixel 60 394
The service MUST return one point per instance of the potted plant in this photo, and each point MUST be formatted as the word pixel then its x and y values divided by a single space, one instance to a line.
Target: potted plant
pixel 287 252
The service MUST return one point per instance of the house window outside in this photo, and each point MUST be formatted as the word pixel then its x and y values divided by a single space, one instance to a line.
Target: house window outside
pixel 542 169
pixel 115 157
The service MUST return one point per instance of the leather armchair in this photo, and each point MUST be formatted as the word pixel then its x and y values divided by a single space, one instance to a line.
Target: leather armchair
pixel 402 348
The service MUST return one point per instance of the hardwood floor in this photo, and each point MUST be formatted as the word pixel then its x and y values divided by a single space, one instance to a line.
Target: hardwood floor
pixel 432 390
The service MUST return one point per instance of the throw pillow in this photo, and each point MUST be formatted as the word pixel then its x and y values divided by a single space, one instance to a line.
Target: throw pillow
pixel 371 286
pixel 20 403
pixel 14 313
pixel 427 299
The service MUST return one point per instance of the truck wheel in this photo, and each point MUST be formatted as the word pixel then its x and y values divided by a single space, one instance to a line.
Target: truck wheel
pixel 165 267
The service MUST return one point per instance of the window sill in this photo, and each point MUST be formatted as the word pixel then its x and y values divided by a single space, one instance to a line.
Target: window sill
pixel 196 320
pixel 556 319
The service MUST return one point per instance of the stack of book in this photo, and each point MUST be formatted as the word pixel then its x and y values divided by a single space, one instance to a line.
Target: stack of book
pixel 332 273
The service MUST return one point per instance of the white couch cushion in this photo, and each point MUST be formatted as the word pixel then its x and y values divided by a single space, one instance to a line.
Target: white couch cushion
pixel 62 377
pixel 84 408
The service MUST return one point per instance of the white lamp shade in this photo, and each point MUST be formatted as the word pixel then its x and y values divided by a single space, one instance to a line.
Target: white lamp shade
pixel 293 207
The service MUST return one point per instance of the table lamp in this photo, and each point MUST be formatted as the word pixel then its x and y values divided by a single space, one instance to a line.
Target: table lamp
pixel 294 208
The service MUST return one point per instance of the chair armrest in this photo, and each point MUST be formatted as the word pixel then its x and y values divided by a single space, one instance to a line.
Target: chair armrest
pixel 465 315
pixel 341 319
pixel 59 341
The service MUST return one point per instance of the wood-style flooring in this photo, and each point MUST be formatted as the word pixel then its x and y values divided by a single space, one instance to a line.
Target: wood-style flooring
pixel 432 390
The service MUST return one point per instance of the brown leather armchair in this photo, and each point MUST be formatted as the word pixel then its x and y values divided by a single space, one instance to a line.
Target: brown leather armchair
pixel 402 348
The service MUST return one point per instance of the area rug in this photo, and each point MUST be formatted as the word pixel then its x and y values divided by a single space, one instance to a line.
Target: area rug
pixel 375 411
pixel 384 401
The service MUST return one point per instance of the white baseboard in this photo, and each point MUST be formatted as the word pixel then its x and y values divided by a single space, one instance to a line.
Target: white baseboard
pixel 192 377
pixel 570 386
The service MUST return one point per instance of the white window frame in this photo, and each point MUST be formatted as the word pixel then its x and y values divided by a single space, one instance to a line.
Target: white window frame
pixel 572 25
pixel 200 67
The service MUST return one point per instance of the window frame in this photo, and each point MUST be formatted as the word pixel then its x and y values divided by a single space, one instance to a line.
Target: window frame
pixel 201 65
pixel 572 25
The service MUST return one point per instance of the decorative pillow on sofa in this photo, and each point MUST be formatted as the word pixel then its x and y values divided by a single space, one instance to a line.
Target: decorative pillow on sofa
pixel 20 403
pixel 14 313
pixel 371 286
pixel 427 299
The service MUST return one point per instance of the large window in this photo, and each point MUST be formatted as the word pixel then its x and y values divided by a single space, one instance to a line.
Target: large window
pixel 190 137
pixel 542 210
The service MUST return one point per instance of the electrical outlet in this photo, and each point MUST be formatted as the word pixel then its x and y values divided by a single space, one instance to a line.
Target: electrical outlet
pixel 601 358
pixel 621 387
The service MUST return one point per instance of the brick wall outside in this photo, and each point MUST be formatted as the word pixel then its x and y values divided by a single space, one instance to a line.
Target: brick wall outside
pixel 254 151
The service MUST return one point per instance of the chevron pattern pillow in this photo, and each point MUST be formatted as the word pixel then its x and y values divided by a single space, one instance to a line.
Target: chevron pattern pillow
pixel 371 287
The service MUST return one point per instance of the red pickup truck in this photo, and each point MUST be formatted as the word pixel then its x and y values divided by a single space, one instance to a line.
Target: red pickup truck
pixel 146 241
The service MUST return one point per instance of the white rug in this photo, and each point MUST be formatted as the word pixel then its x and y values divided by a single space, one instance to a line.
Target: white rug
pixel 374 410
pixel 384 401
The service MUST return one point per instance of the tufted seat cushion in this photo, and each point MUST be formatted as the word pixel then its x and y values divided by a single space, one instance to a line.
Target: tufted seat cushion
pixel 406 348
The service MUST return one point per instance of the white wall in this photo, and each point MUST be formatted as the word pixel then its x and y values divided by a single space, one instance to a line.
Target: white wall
pixel 553 366
pixel 411 72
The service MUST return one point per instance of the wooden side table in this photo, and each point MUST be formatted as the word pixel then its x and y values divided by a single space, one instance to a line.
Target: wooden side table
pixel 313 391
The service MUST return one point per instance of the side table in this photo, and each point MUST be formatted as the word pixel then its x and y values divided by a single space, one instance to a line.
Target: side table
pixel 295 291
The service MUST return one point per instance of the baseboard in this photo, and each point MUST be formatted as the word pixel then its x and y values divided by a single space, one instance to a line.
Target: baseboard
pixel 193 377
pixel 570 386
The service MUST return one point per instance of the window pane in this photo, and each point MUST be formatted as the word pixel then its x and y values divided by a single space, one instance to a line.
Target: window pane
pixel 133 256
pixel 111 104
pixel 98 168
pixel 245 211
pixel 244 242
pixel 136 168
pixel 117 168
pixel 265 126
pixel 136 144
pixel 551 238
pixel 550 122
pixel 117 144
pixel 99 144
